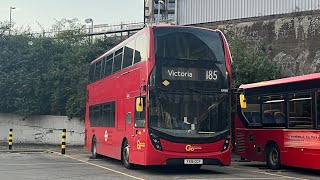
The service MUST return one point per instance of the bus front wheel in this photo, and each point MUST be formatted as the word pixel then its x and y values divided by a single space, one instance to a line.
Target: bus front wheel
pixel 273 157
pixel 125 155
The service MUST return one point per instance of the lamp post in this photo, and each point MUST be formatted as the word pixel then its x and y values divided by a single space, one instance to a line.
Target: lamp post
pixel 90 20
pixel 10 21
pixel 159 2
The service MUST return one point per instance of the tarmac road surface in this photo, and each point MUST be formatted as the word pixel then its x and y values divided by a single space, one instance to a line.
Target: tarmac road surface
pixel 45 162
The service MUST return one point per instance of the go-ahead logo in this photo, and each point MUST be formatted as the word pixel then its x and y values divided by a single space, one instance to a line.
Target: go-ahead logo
pixel 192 148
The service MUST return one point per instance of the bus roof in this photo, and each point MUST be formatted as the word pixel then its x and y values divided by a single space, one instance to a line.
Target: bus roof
pixel 282 81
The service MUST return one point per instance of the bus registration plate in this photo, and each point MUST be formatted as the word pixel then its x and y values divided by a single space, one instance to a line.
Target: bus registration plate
pixel 193 161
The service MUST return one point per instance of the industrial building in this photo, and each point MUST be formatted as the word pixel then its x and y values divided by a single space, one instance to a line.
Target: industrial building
pixel 202 11
pixel 162 10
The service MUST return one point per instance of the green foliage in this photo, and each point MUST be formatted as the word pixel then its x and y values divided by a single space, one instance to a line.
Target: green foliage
pixel 251 63
pixel 40 75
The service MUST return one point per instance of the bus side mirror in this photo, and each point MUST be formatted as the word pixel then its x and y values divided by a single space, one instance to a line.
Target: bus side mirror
pixel 139 104
pixel 243 102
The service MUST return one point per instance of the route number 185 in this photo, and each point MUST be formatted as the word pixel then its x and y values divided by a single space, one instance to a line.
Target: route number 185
pixel 211 75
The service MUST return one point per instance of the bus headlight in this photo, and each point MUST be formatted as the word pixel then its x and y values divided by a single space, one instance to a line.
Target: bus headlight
pixel 155 140
pixel 226 144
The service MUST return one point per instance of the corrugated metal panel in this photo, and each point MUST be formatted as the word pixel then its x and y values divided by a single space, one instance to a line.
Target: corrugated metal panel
pixel 200 11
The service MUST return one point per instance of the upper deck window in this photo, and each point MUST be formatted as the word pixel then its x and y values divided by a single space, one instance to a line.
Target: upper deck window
pixel 108 65
pixel 188 43
pixel 128 54
pixel 140 53
pixel 117 60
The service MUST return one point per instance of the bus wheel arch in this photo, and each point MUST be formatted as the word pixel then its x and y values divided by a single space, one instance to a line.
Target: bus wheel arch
pixel 272 155
pixel 125 153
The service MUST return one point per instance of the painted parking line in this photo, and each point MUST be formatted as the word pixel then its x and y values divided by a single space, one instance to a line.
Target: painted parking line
pixel 40 164
pixel 233 179
pixel 102 167
pixel 266 173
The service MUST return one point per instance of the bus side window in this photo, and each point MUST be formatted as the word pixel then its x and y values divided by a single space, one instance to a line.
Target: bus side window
pixel 128 54
pixel 91 73
pixel 117 60
pixel 140 117
pixel 97 70
pixel 252 112
pixel 141 49
pixel 108 65
pixel 300 111
pixel 274 111
pixel 318 109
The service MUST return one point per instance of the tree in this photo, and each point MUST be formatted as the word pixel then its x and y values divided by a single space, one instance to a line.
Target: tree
pixel 251 63
pixel 42 75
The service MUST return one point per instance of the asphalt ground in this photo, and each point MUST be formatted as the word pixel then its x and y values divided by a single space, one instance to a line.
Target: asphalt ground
pixel 46 162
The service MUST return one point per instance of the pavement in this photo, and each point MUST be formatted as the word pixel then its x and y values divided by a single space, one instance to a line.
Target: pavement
pixel 20 147
pixel 34 161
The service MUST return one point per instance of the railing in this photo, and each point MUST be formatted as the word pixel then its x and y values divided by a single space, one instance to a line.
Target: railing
pixel 96 29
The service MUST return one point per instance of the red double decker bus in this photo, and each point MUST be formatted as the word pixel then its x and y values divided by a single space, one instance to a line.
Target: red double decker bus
pixel 278 122
pixel 162 97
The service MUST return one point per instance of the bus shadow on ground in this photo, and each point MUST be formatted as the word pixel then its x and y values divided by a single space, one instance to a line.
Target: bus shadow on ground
pixel 175 170
pixel 160 170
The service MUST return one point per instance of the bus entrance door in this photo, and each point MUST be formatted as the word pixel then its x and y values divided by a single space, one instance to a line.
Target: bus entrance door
pixel 135 127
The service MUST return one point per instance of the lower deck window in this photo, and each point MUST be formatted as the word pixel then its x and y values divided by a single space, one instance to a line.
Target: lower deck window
pixel 102 115
pixel 273 111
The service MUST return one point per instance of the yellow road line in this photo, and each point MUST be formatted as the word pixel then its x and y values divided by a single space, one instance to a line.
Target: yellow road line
pixel 102 167
pixel 266 173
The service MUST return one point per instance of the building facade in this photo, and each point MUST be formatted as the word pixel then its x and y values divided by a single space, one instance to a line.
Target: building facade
pixel 166 13
pixel 203 11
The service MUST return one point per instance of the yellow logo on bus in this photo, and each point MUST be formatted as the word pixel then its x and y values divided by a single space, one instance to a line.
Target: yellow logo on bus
pixel 140 145
pixel 192 148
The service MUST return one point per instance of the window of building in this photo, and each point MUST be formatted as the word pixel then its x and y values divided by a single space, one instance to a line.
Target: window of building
pixel 97 71
pixel 117 60
pixel 140 117
pixel 252 113
pixel 300 111
pixel 128 54
pixel 171 5
pixel 170 16
pixel 141 49
pixel 157 17
pixel 273 108
pixel 108 65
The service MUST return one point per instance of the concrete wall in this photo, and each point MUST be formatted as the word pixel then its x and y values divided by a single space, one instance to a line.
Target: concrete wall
pixel 292 40
pixel 41 129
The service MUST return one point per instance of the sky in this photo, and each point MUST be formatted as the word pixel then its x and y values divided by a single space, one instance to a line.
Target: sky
pixel 45 12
